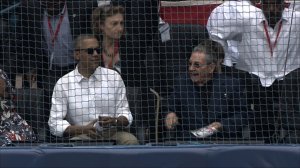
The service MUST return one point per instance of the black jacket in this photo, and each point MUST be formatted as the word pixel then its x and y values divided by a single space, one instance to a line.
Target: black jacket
pixel 225 102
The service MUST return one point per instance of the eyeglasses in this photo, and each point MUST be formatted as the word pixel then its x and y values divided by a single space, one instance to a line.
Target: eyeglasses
pixel 198 65
pixel 91 50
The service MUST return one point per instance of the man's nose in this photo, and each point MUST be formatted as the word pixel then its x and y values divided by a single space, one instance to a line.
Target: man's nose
pixel 120 28
pixel 95 53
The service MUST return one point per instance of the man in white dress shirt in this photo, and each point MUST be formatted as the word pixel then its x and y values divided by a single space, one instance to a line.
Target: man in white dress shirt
pixel 90 102
pixel 268 52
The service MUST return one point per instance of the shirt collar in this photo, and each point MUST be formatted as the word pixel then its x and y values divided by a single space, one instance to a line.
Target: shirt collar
pixel 79 77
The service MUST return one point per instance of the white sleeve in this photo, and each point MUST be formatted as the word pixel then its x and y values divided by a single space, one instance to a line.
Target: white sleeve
pixel 59 108
pixel 225 23
pixel 225 27
pixel 121 100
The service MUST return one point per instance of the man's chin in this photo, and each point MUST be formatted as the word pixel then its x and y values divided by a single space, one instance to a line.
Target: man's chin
pixel 198 82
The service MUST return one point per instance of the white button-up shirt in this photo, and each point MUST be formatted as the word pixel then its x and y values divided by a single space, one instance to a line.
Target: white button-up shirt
pixel 246 23
pixel 231 50
pixel 77 100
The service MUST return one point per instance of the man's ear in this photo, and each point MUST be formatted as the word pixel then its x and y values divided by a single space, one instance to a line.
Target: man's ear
pixel 77 55
pixel 212 67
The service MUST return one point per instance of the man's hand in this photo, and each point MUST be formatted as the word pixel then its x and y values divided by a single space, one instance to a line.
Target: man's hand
pixel 171 120
pixel 207 130
pixel 216 125
pixel 121 121
pixel 75 130
pixel 105 121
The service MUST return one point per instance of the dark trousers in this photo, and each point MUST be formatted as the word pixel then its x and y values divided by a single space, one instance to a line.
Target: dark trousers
pixel 271 103
pixel 290 108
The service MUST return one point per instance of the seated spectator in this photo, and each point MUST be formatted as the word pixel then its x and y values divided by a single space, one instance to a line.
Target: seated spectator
pixel 205 102
pixel 45 34
pixel 12 126
pixel 90 102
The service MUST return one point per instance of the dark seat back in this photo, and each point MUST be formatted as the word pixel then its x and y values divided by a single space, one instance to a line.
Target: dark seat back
pixel 138 127
pixel 30 107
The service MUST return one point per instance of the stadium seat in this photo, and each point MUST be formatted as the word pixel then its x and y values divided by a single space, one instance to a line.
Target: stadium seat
pixel 138 127
pixel 29 102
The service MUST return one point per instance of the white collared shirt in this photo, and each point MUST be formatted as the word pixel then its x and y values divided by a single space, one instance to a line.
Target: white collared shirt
pixel 231 50
pixel 246 23
pixel 77 100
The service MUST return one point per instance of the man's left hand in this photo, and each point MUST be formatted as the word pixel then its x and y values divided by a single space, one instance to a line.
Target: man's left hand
pixel 105 121
pixel 216 125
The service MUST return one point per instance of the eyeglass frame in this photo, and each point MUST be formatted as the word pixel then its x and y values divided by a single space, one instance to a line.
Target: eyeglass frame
pixel 90 51
pixel 200 65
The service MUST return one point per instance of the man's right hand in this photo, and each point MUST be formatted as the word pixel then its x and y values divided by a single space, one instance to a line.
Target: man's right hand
pixel 89 130
pixel 171 120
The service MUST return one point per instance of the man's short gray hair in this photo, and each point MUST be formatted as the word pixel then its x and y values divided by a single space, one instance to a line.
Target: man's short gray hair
pixel 213 51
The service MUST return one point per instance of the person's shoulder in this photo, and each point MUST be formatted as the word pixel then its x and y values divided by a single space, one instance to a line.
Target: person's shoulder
pixel 106 71
pixel 231 6
pixel 226 79
pixel 289 13
pixel 66 78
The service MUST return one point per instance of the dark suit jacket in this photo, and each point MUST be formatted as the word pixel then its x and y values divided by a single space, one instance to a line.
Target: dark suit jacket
pixel 30 53
pixel 225 103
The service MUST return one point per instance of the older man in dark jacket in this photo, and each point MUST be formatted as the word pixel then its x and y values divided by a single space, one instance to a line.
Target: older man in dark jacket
pixel 206 102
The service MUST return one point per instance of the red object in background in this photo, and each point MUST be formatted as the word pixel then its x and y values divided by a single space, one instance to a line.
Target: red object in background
pixel 196 14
